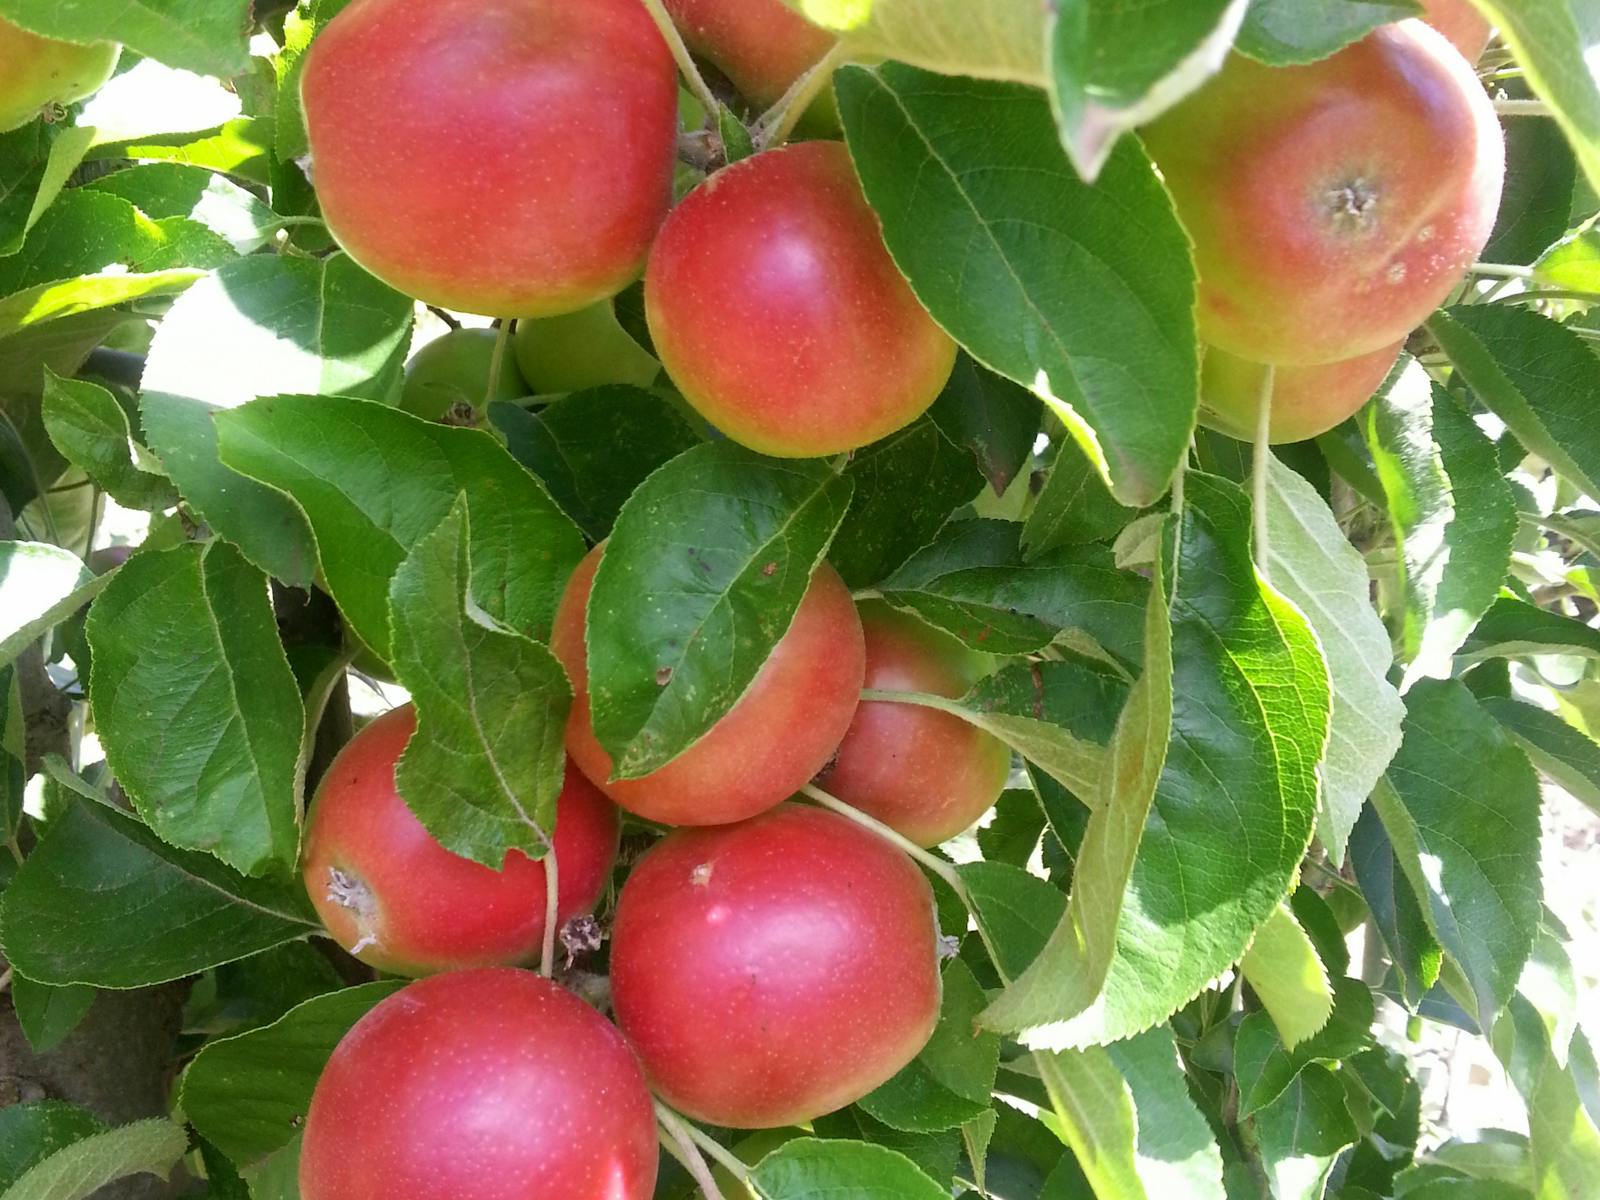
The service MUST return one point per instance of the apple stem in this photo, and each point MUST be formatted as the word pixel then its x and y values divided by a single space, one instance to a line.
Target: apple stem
pixel 552 900
pixel 1501 271
pixel 775 125
pixel 502 334
pixel 680 54
pixel 1259 469
pixel 675 1140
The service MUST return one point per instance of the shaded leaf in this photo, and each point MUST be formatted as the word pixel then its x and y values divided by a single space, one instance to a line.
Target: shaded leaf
pixel 1280 32
pixel 841 1170
pixel 40 586
pixel 91 430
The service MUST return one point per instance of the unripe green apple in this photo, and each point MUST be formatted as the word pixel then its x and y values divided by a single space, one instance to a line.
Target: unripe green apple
pixel 1467 28
pixel 1333 205
pixel 1306 401
pixel 36 72
pixel 776 309
pixel 585 349
pixel 453 370
pixel 924 773
pixel 511 158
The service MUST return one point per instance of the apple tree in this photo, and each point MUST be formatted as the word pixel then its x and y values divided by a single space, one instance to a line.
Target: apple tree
pixel 611 599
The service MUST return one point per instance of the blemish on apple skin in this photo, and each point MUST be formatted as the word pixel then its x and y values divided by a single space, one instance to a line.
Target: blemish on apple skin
pixel 701 876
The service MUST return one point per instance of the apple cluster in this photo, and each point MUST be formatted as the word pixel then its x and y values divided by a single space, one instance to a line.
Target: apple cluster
pixel 769 961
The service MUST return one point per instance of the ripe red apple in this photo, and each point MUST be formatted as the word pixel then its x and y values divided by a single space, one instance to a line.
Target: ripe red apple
pixel 491 1084
pixel 760 45
pixel 400 901
pixel 506 157
pixel 924 773
pixel 585 349
pixel 776 738
pixel 1468 29
pixel 769 972
pixel 453 370
pixel 1334 205
pixel 1306 401
pixel 36 72
pixel 776 309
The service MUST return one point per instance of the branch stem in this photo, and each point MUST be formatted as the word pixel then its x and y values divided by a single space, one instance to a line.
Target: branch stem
pixel 775 125
pixel 680 54
pixel 674 1135
pixel 1523 108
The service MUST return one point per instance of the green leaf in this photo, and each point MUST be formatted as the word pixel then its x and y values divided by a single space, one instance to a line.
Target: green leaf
pixel 950 1082
pixel 1058 715
pixel 1176 1153
pixel 905 488
pixel 991 417
pixel 91 430
pixel 208 37
pixel 1396 911
pixel 1283 970
pixel 1408 462
pixel 1073 507
pixel 47 1014
pixel 1265 1067
pixel 593 448
pixel 1553 41
pixel 260 326
pixel 1478 540
pixel 1541 171
pixel 485 766
pixel 1533 373
pixel 177 190
pixel 103 901
pixel 35 163
pixel 1512 628
pixel 1461 804
pixel 999 39
pixel 1115 66
pixel 1154 918
pixel 1562 1134
pixel 241 147
pixel 185 643
pixel 30 1133
pixel 80 1169
pixel 1002 241
pixel 1563 753
pixel 972 583
pixel 1302 1132
pixel 40 586
pixel 248 1094
pixel 1312 563
pixel 841 1170
pixel 1094 1115
pixel 934 1154
pixel 411 471
pixel 1281 32
pixel 1015 911
pixel 676 637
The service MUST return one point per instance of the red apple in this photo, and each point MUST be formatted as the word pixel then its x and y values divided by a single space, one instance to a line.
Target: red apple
pixel 1306 401
pixel 1467 28
pixel 776 738
pixel 491 1084
pixel 776 309
pixel 1333 206
pixel 38 72
pixel 506 157
pixel 760 45
pixel 926 774
pixel 776 970
pixel 401 902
